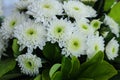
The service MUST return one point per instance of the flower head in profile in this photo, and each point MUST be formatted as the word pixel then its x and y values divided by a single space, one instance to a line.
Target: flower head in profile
pixel 10 23
pixel 29 64
pixel 112 49
pixel 95 43
pixel 78 9
pixel 112 24
pixel 58 30
pixel 45 9
pixel 74 45
pixel 30 35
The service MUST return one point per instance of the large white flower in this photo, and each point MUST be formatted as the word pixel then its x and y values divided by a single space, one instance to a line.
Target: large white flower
pixel 31 35
pixel 58 30
pixel 41 9
pixel 112 24
pixel 112 49
pixel 78 9
pixel 95 43
pixel 29 64
pixel 75 45
pixel 84 26
pixel 10 23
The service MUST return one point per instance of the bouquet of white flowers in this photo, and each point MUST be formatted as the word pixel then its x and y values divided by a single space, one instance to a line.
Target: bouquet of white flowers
pixel 61 40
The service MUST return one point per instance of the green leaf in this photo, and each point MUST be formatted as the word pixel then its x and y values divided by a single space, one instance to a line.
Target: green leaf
pixel 38 77
pixel 57 76
pixel 45 75
pixel 98 58
pixel 52 52
pixel 97 69
pixel 65 67
pixel 75 67
pixel 15 48
pixel 6 66
pixel 108 4
pixel 115 13
pixel 54 68
pixel 10 76
pixel 116 77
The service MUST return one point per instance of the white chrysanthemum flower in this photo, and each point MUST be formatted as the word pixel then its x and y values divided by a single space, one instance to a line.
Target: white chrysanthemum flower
pixel 95 24
pixel 112 24
pixel 84 26
pixel 75 45
pixel 10 23
pixel 1 11
pixel 42 9
pixel 78 9
pixel 112 49
pixel 29 64
pixel 95 43
pixel 58 30
pixel 30 35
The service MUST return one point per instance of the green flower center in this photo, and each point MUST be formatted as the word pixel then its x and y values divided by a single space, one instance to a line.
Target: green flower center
pixel 96 47
pixel 12 23
pixel 59 30
pixel 76 8
pixel 74 44
pixel 29 64
pixel 84 27
pixel 96 24
pixel 47 6
pixel 31 32
pixel 113 50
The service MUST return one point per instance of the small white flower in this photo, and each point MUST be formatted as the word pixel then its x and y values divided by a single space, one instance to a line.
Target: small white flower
pixel 29 64
pixel 42 9
pixel 112 24
pixel 58 30
pixel 95 43
pixel 84 26
pixel 95 24
pixel 112 49
pixel 78 9
pixel 30 35
pixel 10 23
pixel 75 45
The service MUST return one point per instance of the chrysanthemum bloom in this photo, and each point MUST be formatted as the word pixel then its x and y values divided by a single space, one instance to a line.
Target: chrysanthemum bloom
pixel 95 43
pixel 112 24
pixel 112 49
pixel 75 45
pixel 95 24
pixel 58 30
pixel 29 64
pixel 30 35
pixel 45 9
pixel 84 26
pixel 78 9
pixel 10 23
